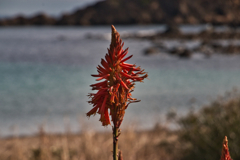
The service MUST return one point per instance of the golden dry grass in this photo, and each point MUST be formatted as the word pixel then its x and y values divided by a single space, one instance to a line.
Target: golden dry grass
pixel 135 145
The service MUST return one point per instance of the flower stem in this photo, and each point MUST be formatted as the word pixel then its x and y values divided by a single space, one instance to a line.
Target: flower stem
pixel 115 143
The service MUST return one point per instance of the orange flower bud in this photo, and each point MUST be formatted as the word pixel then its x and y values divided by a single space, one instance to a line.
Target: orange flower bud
pixel 225 152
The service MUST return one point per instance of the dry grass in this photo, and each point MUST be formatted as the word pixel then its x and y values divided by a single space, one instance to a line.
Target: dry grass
pixel 90 146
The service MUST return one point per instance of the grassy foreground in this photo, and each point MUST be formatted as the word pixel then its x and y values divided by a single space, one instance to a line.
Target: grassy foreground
pixel 89 146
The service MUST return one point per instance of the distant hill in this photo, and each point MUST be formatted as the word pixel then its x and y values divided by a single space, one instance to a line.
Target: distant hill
pixel 142 12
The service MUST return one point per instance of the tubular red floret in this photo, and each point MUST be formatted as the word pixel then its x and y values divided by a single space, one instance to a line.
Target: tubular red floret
pixel 126 59
pixel 124 53
pixel 103 77
pixel 103 104
pixel 92 111
pixel 104 64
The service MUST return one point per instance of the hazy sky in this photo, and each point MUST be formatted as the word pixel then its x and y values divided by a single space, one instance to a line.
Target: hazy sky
pixel 30 7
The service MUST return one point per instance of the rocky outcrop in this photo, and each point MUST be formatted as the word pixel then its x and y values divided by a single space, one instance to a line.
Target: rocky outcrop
pixel 143 12
pixel 39 19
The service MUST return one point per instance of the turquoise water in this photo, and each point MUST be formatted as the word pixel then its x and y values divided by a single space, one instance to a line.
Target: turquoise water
pixel 45 77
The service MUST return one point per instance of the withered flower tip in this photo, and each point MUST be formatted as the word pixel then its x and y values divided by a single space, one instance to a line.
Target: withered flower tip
pixel 118 77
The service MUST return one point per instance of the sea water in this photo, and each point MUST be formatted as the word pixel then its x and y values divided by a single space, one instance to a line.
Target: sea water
pixel 45 77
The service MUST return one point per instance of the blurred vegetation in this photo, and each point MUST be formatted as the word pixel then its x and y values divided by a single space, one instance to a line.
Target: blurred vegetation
pixel 88 145
pixel 201 133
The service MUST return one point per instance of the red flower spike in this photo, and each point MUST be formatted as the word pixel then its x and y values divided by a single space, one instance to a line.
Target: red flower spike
pixel 225 151
pixel 113 95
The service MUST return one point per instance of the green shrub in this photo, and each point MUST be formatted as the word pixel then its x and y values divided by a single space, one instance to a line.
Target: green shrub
pixel 201 133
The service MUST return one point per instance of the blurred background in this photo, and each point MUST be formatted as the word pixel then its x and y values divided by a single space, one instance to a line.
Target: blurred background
pixel 49 49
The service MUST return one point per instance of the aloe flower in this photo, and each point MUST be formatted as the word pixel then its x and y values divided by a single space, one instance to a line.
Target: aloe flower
pixel 225 152
pixel 114 91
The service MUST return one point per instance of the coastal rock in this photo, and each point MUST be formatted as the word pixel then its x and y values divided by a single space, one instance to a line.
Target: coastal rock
pixel 172 29
pixel 141 12
pixel 181 52
pixel 226 49
pixel 151 50
pixel 39 19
